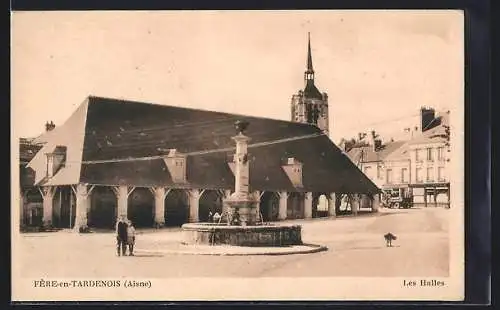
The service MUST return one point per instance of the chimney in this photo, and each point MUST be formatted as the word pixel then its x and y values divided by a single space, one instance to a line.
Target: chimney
pixel 49 126
pixel 427 115
pixel 361 136
pixel 372 139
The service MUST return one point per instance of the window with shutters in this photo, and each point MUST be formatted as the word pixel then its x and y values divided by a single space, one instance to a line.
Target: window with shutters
pixel 404 175
pixel 430 174
pixel 418 175
pixel 389 176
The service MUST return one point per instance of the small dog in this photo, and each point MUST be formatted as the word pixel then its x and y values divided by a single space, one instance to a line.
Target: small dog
pixel 389 237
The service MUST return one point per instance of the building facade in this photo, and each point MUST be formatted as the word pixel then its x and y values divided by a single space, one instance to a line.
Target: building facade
pixel 31 205
pixel 419 164
pixel 164 166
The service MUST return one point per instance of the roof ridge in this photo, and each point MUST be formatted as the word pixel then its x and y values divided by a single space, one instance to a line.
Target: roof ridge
pixel 91 97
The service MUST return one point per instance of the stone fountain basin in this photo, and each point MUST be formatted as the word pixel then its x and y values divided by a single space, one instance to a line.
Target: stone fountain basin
pixel 249 236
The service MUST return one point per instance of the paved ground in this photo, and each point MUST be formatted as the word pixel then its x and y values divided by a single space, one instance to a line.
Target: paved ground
pixel 356 248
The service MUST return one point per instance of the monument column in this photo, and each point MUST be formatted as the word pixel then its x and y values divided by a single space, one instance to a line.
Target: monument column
pixel 308 205
pixel 283 205
pixel 332 210
pixel 241 165
pixel 242 205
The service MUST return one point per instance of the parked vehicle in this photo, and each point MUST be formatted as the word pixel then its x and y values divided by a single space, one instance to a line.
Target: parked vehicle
pixel 397 198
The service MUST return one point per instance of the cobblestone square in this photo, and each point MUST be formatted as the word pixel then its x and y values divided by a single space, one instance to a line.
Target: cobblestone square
pixel 356 247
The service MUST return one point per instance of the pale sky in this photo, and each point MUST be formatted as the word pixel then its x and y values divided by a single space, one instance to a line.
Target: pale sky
pixel 376 66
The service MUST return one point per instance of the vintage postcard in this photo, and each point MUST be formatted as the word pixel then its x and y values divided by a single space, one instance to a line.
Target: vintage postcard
pixel 237 155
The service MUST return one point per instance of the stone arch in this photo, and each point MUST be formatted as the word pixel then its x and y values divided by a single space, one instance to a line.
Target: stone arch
pixel 34 207
pixel 269 206
pixel 140 207
pixel 365 201
pixel 320 205
pixel 295 205
pixel 64 209
pixel 210 200
pixel 103 208
pixel 176 207
pixel 344 204
pixel 338 203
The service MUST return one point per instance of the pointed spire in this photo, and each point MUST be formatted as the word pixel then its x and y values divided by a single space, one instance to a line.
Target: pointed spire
pixel 309 74
pixel 309 55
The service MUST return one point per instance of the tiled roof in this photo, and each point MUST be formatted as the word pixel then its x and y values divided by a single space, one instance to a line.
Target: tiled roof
pixel 70 135
pixel 311 91
pixel 117 129
pixel 437 132
pixel 399 153
pixel 27 150
pixel 367 154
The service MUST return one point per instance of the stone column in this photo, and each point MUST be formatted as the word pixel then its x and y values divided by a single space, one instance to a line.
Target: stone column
pixel 354 205
pixel 89 200
pixel 48 199
pixel 308 198
pixel 194 205
pixel 57 206
pixel 159 212
pixel 21 208
pixel 332 211
pixel 375 202
pixel 81 194
pixel 283 205
pixel 122 193
pixel 257 195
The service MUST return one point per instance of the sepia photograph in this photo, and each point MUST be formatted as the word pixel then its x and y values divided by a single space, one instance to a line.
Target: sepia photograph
pixel 237 155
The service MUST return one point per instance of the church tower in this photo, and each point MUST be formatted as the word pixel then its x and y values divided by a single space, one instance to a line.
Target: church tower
pixel 310 105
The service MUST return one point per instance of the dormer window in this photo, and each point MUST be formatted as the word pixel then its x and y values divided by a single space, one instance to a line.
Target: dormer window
pixel 293 169
pixel 176 164
pixel 55 160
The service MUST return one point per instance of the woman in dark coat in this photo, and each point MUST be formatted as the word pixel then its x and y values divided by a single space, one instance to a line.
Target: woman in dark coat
pixel 121 236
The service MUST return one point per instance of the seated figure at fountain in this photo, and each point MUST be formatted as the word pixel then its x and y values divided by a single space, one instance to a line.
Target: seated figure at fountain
pixel 235 220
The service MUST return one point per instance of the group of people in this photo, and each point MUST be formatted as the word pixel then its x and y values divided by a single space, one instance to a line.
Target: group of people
pixel 214 218
pixel 125 236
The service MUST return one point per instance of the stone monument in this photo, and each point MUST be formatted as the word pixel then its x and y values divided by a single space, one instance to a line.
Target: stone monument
pixel 241 206
pixel 241 226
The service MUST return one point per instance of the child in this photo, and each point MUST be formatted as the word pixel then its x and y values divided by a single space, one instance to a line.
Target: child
pixel 131 238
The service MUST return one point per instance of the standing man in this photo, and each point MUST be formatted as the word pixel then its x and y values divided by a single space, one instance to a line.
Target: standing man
pixel 121 236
